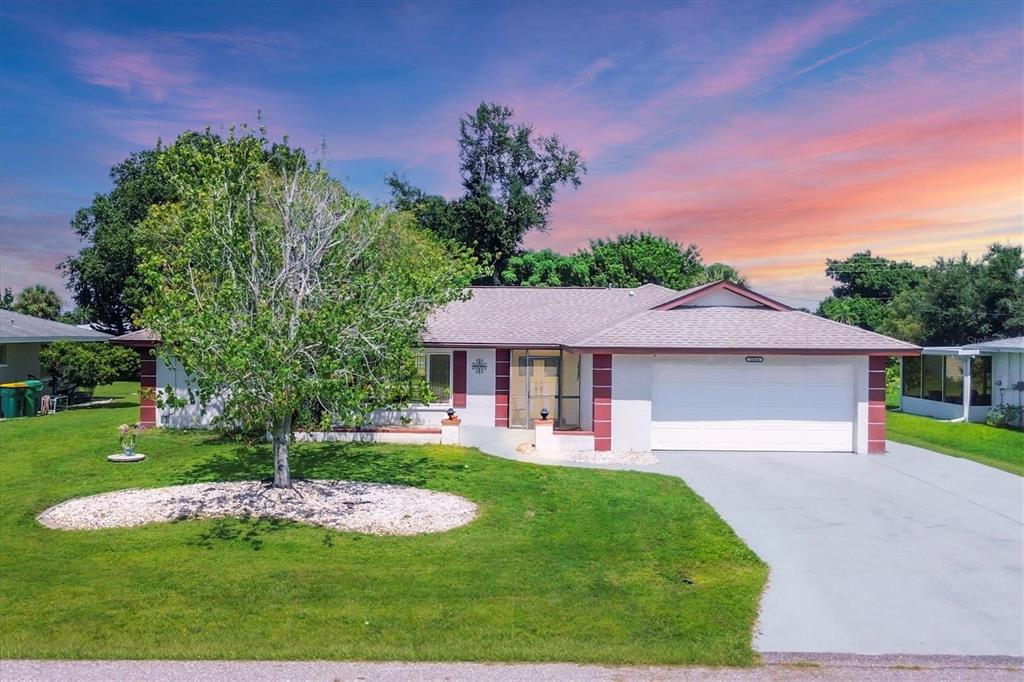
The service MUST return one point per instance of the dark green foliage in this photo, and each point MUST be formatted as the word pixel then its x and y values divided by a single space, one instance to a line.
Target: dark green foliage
pixel 961 300
pixel 6 300
pixel 546 268
pixel 865 284
pixel 38 301
pixel 73 366
pixel 509 178
pixel 104 277
pixel 631 260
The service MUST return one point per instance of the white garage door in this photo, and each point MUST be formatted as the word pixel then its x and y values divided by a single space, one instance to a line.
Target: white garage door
pixel 782 403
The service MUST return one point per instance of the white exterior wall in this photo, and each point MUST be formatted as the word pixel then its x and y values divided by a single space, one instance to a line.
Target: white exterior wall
pixel 22 362
pixel 479 409
pixel 189 417
pixel 723 298
pixel 1007 368
pixel 633 378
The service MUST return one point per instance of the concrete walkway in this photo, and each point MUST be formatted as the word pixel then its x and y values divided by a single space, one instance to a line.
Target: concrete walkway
pixel 849 669
pixel 912 552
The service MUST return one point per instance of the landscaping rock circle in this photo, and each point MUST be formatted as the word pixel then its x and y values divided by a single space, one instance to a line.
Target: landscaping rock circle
pixel 120 457
pixel 373 508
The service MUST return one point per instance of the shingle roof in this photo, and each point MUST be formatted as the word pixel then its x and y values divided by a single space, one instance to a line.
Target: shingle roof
pixel 1013 344
pixel 18 328
pixel 536 316
pixel 140 336
pixel 624 319
pixel 729 328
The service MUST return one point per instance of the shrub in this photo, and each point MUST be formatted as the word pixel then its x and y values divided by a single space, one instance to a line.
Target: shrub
pixel 73 366
pixel 1005 416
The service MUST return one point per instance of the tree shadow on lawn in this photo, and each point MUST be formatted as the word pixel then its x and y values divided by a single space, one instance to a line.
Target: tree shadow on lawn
pixel 331 461
pixel 334 461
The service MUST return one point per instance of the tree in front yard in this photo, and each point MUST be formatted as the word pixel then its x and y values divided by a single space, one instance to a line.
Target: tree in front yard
pixel 73 366
pixel 280 292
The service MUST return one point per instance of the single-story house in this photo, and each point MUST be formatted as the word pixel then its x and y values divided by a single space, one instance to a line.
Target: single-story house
pixel 964 382
pixel 21 337
pixel 715 367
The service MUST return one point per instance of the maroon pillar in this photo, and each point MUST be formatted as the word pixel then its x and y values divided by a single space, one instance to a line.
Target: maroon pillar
pixel 459 378
pixel 602 402
pixel 147 386
pixel 876 405
pixel 502 363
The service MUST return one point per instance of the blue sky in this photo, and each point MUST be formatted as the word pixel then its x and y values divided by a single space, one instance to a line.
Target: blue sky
pixel 773 135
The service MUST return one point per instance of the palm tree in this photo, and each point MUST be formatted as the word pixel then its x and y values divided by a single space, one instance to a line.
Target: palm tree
pixel 38 301
pixel 720 271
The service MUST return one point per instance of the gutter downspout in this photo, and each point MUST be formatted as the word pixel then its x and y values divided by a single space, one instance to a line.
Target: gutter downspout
pixel 966 362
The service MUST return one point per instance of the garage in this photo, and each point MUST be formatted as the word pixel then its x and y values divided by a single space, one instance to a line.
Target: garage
pixel 753 403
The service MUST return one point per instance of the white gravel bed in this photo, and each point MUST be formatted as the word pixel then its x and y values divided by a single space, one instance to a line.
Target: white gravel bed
pixel 373 508
pixel 593 456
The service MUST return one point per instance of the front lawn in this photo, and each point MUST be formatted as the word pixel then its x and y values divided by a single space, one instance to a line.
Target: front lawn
pixel 562 564
pixel 999 448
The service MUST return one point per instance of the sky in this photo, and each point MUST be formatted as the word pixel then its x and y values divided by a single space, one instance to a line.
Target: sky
pixel 773 135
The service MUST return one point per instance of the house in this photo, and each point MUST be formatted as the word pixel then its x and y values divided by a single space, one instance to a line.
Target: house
pixel 21 337
pixel 715 367
pixel 963 383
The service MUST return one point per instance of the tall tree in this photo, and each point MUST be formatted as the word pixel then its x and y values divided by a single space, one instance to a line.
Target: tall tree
pixel 546 268
pixel 103 277
pixel 631 260
pixel 864 286
pixel 38 301
pixel 961 300
pixel 280 292
pixel 509 177
pixel 7 299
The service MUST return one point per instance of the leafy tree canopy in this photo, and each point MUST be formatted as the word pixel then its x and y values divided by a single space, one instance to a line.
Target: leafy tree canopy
pixel 509 179
pixel 7 299
pixel 103 277
pixel 38 301
pixel 628 260
pixel 281 293
pixel 961 300
pixel 73 366
pixel 864 286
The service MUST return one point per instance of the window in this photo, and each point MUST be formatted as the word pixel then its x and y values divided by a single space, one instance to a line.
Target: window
pixel 931 377
pixel 953 381
pixel 3 354
pixel 981 380
pixel 436 369
pixel 912 377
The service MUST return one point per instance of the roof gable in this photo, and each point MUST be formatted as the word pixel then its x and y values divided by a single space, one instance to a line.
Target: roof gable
pixel 712 294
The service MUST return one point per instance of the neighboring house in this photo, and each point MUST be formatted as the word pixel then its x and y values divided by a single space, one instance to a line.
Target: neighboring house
pixel 716 367
pixel 964 382
pixel 21 337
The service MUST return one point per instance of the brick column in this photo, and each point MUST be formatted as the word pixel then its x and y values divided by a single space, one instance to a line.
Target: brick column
pixel 459 378
pixel 876 405
pixel 502 364
pixel 602 402
pixel 147 385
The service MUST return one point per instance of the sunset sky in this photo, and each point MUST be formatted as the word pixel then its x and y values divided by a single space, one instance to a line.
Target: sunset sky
pixel 773 135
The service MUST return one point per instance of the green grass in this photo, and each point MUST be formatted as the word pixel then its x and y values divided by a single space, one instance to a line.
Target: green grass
pixel 999 448
pixel 119 389
pixel 561 564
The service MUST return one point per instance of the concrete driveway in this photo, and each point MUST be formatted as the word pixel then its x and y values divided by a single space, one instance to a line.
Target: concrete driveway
pixel 911 552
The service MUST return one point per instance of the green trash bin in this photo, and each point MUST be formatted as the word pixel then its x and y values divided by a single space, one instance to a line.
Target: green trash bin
pixel 12 399
pixel 33 391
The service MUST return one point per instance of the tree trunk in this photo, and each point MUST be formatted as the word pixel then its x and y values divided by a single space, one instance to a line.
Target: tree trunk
pixel 282 433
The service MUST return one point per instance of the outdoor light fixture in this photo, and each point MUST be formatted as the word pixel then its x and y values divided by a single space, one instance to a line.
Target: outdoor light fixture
pixel 544 413
pixel 451 412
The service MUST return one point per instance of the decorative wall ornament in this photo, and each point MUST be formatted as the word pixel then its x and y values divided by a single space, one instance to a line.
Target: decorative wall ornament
pixel 479 366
